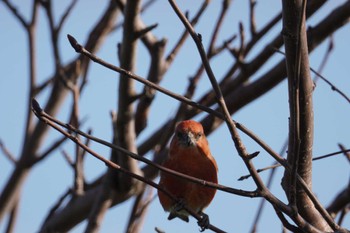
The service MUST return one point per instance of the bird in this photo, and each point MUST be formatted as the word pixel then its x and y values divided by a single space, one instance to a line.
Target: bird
pixel 189 153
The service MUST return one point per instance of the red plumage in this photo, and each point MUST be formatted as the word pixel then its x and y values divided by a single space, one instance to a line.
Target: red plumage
pixel 189 153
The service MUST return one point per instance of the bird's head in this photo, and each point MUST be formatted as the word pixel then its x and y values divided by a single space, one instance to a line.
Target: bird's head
pixel 189 133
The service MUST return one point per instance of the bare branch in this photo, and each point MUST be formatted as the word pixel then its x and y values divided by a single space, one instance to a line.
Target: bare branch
pixel 263 201
pixel 285 222
pixel 345 152
pixel 172 54
pixel 225 7
pixel 155 76
pixel 318 75
pixel 139 210
pixel 333 87
pixel 340 202
pixel 142 32
pixel 56 206
pixel 343 214
pixel 301 109
pixel 313 159
pixel 124 133
pixel 326 57
pixel 7 153
pixel 145 6
pixel 68 158
pixel 50 149
pixel 65 15
pixel 15 12
pixel 12 219
pixel 252 4
pixel 78 164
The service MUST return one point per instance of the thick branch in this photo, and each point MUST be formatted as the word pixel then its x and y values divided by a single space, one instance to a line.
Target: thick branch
pixel 124 132
pixel 300 87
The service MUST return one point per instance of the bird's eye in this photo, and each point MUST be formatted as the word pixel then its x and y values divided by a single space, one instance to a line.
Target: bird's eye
pixel 179 134
pixel 199 135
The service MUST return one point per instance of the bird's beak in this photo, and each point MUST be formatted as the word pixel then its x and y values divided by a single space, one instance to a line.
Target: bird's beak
pixel 190 139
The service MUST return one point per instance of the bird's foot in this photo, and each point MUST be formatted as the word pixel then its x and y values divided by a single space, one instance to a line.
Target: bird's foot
pixel 203 223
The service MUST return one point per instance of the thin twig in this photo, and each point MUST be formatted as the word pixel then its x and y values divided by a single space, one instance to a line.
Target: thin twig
pixel 7 153
pixel 333 87
pixel 345 152
pixel 78 164
pixel 172 54
pixel 16 13
pixel 252 4
pixel 50 149
pixel 218 25
pixel 325 57
pixel 145 6
pixel 268 185
pixel 65 15
pixel 138 213
pixel 87 143
pixel 285 222
pixel 68 158
pixel 158 230
pixel 58 204
pixel 279 165
pixel 343 213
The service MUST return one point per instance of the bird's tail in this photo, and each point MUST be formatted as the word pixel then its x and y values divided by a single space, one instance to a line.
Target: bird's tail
pixel 183 215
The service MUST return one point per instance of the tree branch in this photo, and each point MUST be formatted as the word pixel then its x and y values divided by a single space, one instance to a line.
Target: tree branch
pixel 301 114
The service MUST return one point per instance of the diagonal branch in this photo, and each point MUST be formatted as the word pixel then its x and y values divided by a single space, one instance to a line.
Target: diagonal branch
pixel 139 210
pixel 15 12
pixel 7 153
pixel 172 54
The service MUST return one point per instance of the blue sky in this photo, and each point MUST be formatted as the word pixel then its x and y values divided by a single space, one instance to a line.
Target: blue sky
pixel 267 116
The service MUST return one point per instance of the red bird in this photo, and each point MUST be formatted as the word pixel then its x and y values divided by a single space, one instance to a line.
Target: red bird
pixel 189 153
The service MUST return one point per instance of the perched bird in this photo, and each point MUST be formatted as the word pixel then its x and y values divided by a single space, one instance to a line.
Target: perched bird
pixel 189 153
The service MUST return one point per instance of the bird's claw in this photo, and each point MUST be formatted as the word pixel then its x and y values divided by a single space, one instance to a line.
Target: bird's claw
pixel 203 222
